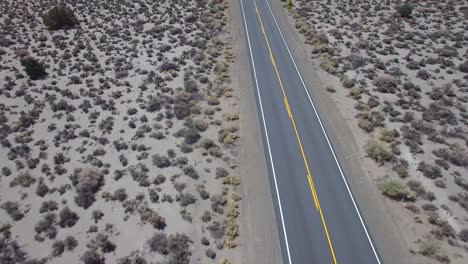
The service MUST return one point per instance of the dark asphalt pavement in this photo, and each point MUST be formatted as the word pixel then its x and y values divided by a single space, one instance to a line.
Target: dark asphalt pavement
pixel 300 224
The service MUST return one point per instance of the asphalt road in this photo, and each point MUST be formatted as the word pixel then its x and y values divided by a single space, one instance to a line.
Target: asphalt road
pixel 317 217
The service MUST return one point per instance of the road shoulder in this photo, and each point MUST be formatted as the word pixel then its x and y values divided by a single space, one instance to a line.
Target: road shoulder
pixel 259 230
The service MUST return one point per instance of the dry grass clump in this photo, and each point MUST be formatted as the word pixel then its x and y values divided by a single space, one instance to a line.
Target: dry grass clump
pixel 395 189
pixel 378 151
pixel 433 248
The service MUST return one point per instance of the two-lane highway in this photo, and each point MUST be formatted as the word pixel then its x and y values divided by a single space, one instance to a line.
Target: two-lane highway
pixel 318 219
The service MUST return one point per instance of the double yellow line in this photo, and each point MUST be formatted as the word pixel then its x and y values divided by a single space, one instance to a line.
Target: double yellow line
pixel 288 109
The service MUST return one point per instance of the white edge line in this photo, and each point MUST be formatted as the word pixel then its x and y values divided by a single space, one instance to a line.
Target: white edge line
pixel 326 137
pixel 266 133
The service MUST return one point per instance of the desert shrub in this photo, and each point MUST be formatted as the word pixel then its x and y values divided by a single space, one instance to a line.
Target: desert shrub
pixel 429 171
pixel 395 190
pixel 160 179
pixel 356 60
pixel 221 173
pixel 58 247
pixel 210 253
pixel 191 172
pixel 231 180
pixel 440 113
pixel 377 151
pixel 203 193
pixel 186 199
pixel 388 135
pixel 158 243
pixel 463 67
pixel 123 160
pixel 161 161
pixel 401 168
pixel 429 207
pixel 148 215
pixel 217 203
pixel 182 105
pixel 97 215
pixel 190 134
pixel 68 218
pixel 417 187
pixel 92 257
pixel 42 189
pixel 461 199
pixel 217 229
pixel 461 182
pixel 430 196
pixel 176 247
pixel 386 84
pixel 154 104
pixel 33 68
pixel 154 196
pixel 11 252
pixel 134 258
pixel 6 171
pixel 13 210
pixel 102 241
pixel 131 111
pixel 456 155
pixel 405 10
pixel 206 216
pixel 46 225
pixel 60 17
pixel 120 195
pixel 70 243
pixel 190 86
pixel 433 248
pixel 167 66
pixel 23 179
pixel 463 235
pixel 87 182
pixel 447 230
pixel 48 206
pixel 413 208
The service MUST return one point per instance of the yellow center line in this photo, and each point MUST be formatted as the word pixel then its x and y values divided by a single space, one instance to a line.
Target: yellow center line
pixel 288 108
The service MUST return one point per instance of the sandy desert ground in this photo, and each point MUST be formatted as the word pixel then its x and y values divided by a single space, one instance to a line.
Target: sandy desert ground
pixel 126 152
pixel 402 85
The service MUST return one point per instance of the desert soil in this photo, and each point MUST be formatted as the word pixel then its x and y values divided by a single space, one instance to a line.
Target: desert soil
pixel 128 150
pixel 401 86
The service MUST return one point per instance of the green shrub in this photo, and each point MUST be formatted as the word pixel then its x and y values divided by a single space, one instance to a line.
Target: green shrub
pixel 60 17
pixel 394 189
pixel 377 151
pixel 33 68
pixel 405 11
